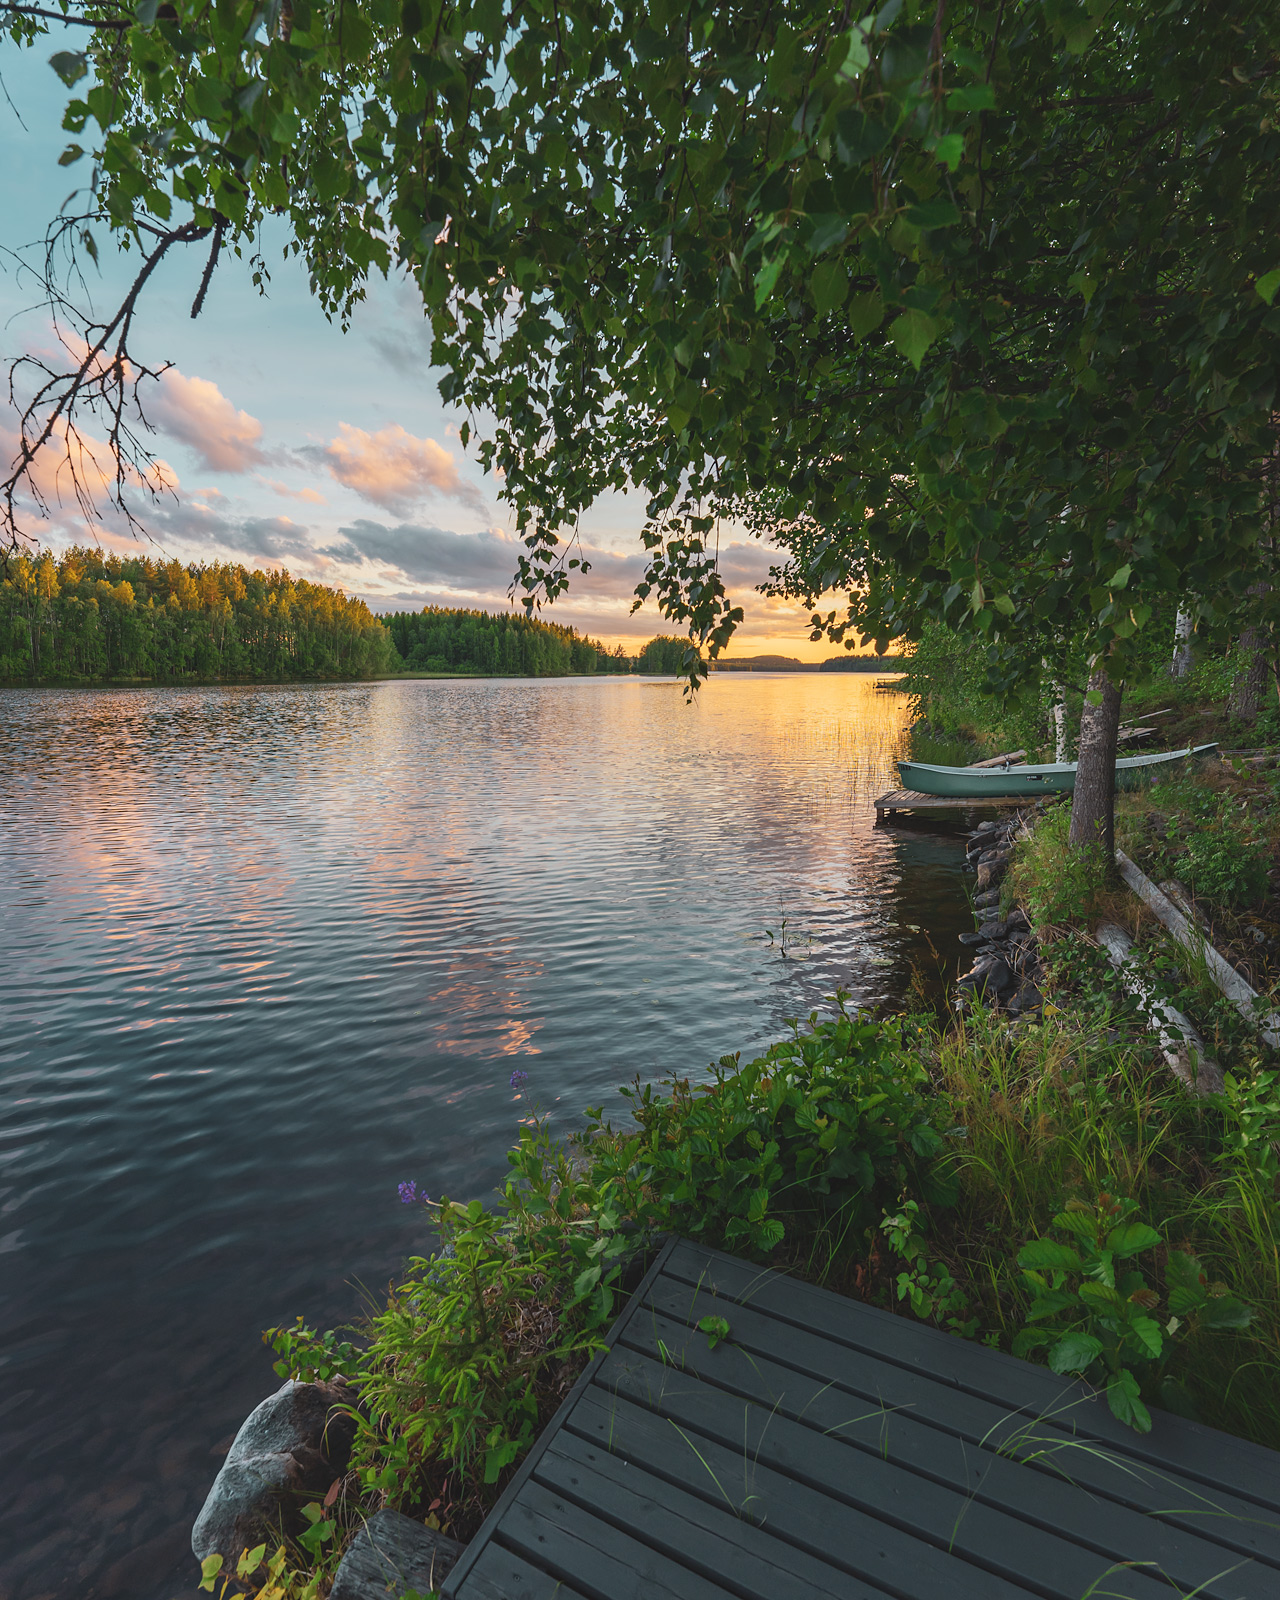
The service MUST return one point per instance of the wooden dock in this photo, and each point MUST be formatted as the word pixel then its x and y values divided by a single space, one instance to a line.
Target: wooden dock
pixel 825 1450
pixel 909 800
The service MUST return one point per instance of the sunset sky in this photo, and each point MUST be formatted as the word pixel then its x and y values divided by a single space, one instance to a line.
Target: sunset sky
pixel 296 445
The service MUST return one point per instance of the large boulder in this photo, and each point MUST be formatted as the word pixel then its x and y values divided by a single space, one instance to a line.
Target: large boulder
pixel 288 1451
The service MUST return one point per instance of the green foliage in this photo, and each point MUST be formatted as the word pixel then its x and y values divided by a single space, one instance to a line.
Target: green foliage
pixel 1059 886
pixel 818 1131
pixel 1218 849
pixel 767 289
pixel 951 681
pixel 438 639
pixel 927 1286
pixel 477 1343
pixel 91 615
pixel 311 1356
pixel 1251 1131
pixel 667 654
pixel 271 1578
pixel 1098 1320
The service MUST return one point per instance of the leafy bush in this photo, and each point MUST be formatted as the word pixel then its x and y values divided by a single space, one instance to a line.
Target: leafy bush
pixel 1101 1323
pixel 826 1125
pixel 477 1344
pixel 1059 886
pixel 1219 851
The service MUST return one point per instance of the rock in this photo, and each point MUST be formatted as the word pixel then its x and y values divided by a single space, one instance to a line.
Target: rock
pixel 1017 918
pixel 1028 998
pixel 391 1554
pixel 991 872
pixel 986 827
pixel 288 1451
pixel 990 898
pixel 994 977
pixel 973 938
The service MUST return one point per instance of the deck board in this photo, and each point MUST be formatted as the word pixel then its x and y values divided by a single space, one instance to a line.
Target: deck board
pixel 827 1450
pixel 912 800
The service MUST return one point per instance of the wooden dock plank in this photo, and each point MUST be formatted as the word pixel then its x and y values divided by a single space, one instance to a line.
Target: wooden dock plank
pixel 710 1539
pixel 500 1575
pixel 1200 1454
pixel 907 1440
pixel 827 1450
pixel 953 1522
pixel 957 1424
pixel 912 800
pixel 868 1556
pixel 552 1531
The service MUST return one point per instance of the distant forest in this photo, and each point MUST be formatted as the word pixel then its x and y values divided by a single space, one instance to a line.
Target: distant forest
pixel 442 640
pixel 864 664
pixel 91 615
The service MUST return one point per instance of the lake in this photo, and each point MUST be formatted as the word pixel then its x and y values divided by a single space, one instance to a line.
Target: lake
pixel 270 951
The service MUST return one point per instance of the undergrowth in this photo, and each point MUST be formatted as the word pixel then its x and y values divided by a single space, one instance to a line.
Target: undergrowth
pixel 921 1166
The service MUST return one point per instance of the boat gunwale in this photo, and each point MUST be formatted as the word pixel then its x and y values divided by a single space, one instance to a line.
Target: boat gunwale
pixel 1028 770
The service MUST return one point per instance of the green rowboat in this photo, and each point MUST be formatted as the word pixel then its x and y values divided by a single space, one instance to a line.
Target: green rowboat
pixel 975 783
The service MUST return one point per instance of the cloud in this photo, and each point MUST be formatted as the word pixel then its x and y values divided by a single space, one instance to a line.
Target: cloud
pixel 275 538
pixel 429 555
pixel 394 469
pixel 197 412
pixel 311 496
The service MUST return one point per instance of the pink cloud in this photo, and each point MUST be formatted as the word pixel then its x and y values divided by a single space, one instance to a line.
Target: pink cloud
pixel 197 412
pixel 394 469
pixel 311 496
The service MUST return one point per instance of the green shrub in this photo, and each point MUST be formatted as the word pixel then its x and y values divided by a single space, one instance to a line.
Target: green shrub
pixel 1103 1321
pixel 829 1124
pixel 1059 886
pixel 1221 852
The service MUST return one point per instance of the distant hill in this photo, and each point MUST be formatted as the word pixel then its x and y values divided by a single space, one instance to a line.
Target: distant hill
pixel 764 664
pixel 864 664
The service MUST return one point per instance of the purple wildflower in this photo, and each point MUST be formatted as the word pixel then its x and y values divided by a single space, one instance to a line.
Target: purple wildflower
pixel 519 1079
pixel 408 1193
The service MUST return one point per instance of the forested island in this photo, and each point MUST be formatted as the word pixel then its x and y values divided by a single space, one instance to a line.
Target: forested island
pixel 90 616
pixel 504 644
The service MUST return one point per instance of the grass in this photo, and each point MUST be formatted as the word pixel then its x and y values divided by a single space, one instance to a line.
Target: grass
pixel 1075 1107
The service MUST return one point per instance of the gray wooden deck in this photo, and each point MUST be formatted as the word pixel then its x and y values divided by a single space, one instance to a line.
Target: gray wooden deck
pixel 909 800
pixel 829 1451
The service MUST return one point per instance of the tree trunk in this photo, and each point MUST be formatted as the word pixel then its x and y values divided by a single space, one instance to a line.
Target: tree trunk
pixel 1059 723
pixel 1246 692
pixel 1182 631
pixel 1093 804
pixel 1245 699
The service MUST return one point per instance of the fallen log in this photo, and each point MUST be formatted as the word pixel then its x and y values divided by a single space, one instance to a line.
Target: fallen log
pixel 1180 1043
pixel 1009 758
pixel 1242 995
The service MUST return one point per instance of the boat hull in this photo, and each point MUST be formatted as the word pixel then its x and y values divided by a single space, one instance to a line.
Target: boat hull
pixel 1000 783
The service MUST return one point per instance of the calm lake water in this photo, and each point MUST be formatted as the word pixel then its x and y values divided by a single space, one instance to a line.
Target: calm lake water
pixel 269 951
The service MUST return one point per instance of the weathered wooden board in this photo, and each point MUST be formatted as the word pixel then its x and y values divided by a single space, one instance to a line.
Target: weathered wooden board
pixel 826 1450
pixel 910 800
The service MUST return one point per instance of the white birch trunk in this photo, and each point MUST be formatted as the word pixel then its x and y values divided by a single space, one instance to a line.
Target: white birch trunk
pixel 1183 628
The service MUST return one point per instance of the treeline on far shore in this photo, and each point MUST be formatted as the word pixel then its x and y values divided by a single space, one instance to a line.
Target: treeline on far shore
pixel 502 644
pixel 90 615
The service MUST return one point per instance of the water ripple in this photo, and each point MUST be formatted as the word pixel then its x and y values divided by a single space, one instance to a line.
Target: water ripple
pixel 272 950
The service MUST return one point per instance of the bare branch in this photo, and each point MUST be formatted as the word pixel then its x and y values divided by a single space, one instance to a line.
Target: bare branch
pixel 107 24
pixel 103 380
